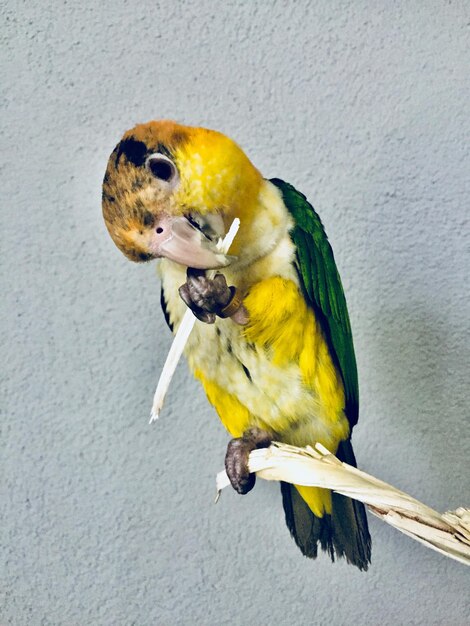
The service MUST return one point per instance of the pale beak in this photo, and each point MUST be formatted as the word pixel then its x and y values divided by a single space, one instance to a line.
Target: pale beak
pixel 175 238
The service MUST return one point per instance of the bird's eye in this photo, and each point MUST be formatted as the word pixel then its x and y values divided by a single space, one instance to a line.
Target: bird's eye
pixel 162 167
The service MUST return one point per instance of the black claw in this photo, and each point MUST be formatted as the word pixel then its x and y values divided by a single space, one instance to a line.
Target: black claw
pixel 207 318
pixel 193 272
pixel 184 295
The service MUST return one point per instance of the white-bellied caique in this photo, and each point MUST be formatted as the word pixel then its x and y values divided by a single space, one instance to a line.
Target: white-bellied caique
pixel 273 347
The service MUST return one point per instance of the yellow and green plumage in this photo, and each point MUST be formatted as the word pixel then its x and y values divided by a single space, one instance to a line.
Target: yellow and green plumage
pixel 291 368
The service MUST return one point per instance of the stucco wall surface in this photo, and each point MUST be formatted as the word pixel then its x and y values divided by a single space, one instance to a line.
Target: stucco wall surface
pixel 364 107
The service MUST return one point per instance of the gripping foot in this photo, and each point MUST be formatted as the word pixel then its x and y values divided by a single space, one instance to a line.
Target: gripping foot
pixel 206 297
pixel 236 459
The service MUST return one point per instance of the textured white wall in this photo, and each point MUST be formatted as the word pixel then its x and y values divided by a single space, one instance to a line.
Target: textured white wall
pixel 364 107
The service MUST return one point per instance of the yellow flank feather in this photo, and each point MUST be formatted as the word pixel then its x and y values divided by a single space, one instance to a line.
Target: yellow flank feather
pixel 234 416
pixel 281 321
pixel 277 316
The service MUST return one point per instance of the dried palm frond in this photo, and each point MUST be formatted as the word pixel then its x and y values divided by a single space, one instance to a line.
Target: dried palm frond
pixel 448 533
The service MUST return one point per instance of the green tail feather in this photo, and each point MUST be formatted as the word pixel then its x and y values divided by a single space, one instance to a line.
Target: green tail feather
pixel 344 533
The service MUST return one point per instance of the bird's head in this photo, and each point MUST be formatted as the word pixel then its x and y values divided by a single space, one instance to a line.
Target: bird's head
pixel 172 191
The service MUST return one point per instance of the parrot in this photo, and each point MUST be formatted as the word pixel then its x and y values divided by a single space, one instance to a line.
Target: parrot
pixel 272 344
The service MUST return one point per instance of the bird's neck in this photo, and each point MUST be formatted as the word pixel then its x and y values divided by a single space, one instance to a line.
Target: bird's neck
pixel 263 244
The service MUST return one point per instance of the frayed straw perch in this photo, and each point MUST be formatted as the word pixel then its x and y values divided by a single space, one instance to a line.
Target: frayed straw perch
pixel 449 533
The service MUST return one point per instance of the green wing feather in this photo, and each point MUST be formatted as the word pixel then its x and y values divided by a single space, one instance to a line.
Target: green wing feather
pixel 323 289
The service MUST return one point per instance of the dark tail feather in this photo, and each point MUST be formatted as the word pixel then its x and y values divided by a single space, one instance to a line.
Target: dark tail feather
pixel 343 533
pixel 306 529
pixel 351 531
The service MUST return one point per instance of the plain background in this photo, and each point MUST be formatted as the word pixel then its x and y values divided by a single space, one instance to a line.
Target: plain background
pixel 364 107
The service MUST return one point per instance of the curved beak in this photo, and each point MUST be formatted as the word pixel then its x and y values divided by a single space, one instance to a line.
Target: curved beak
pixel 177 239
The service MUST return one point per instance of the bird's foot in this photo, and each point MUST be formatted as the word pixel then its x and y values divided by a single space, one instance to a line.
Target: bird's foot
pixel 208 297
pixel 236 459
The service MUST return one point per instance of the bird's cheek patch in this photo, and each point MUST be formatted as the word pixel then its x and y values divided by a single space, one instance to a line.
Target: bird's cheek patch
pixel 132 242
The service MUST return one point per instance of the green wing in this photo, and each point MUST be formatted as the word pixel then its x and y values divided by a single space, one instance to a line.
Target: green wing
pixel 323 290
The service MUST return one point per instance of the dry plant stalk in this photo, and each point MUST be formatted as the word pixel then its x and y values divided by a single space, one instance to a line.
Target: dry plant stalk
pixel 182 335
pixel 448 533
